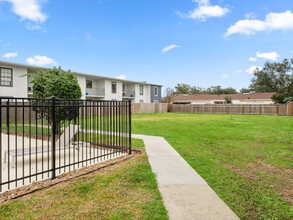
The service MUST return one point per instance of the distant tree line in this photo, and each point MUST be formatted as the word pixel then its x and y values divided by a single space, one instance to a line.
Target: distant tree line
pixel 273 77
pixel 182 88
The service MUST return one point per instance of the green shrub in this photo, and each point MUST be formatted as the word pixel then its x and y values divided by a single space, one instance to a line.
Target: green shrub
pixel 60 84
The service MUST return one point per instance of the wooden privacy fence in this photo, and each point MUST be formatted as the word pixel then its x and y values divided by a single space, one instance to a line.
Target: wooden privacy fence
pixel 141 108
pixel 290 108
pixel 250 109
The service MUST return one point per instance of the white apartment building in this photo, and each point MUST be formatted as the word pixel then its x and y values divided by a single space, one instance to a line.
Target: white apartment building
pixel 14 83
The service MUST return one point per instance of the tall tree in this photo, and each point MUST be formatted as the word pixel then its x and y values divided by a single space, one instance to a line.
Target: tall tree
pixel 182 88
pixel 274 77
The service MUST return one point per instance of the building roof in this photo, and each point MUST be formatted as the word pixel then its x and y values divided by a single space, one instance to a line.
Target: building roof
pixel 82 74
pixel 238 96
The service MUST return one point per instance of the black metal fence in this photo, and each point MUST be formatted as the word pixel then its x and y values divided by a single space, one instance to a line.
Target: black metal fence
pixel 43 138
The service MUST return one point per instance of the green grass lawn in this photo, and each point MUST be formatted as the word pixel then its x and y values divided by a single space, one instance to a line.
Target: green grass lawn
pixel 127 190
pixel 246 159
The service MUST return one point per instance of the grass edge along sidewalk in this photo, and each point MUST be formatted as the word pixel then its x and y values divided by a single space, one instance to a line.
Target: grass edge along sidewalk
pixel 125 190
pixel 185 193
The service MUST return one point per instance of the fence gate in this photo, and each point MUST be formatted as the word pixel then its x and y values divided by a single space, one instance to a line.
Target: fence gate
pixel 43 138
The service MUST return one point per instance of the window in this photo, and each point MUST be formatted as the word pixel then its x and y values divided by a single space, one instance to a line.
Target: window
pixel 219 102
pixel 5 77
pixel 140 101
pixel 141 89
pixel 123 88
pixel 156 91
pixel 114 87
pixel 156 101
pixel 89 84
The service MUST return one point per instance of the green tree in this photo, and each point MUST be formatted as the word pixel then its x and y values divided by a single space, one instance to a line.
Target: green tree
pixel 182 88
pixel 245 90
pixel 61 84
pixel 220 90
pixel 229 90
pixel 196 90
pixel 228 99
pixel 288 99
pixel 274 77
pixel 55 82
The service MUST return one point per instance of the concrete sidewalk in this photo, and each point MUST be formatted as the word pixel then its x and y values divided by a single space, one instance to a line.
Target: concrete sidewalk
pixel 185 193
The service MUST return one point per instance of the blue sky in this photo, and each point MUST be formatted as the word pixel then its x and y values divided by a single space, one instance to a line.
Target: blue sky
pixel 199 42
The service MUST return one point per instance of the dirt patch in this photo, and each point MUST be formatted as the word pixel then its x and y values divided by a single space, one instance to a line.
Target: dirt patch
pixel 25 190
pixel 243 172
pixel 281 179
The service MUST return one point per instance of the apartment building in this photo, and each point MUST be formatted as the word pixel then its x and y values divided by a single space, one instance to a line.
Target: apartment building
pixel 14 83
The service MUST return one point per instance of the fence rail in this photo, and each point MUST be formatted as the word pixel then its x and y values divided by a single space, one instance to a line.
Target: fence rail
pixel 43 138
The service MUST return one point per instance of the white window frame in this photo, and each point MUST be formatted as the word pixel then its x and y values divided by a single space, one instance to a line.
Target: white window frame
pixel 86 84
pixel 114 83
pixel 11 84
pixel 140 89
pixel 123 87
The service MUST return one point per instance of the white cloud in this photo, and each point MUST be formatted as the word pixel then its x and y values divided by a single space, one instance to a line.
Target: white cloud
pixel 121 77
pixel 32 27
pixel 270 56
pixel 252 59
pixel 250 15
pixel 224 75
pixel 204 10
pixel 272 22
pixel 237 71
pixel 251 69
pixel 10 55
pixel 29 9
pixel 40 60
pixel 166 49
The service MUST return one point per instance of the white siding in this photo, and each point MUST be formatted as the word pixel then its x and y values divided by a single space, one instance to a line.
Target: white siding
pixel 19 88
pixel 108 90
pixel 146 93
pixel 82 84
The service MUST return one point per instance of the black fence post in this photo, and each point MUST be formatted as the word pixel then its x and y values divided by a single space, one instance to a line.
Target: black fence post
pixel 129 111
pixel 53 131
pixel 0 145
pixel 7 116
